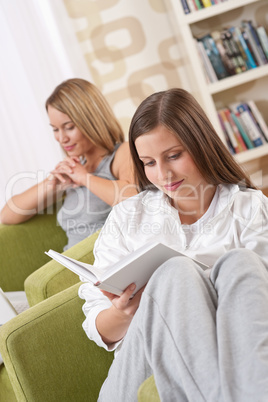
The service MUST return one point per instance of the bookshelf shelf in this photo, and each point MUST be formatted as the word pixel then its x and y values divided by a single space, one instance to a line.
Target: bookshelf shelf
pixel 251 84
pixel 252 154
pixel 243 78
pixel 213 11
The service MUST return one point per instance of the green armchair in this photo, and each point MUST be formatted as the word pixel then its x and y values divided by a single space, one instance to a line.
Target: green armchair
pixel 23 246
pixel 47 356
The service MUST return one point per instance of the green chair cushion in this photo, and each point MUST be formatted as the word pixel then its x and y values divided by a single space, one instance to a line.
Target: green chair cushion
pixel 48 356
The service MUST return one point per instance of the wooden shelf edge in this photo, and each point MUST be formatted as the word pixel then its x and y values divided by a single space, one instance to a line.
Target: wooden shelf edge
pixel 239 79
pixel 252 154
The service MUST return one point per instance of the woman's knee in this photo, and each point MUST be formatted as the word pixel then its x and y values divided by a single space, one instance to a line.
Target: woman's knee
pixel 236 263
pixel 173 272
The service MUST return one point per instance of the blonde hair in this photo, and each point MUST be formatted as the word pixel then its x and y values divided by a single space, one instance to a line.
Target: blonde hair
pixel 85 105
pixel 178 111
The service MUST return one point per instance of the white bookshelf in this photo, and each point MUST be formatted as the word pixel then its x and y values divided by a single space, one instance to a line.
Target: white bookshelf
pixel 252 84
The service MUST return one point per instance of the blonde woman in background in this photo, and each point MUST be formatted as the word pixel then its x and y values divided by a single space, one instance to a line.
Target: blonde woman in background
pixel 96 173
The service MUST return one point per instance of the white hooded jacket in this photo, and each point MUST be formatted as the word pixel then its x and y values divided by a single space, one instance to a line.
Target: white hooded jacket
pixel 236 218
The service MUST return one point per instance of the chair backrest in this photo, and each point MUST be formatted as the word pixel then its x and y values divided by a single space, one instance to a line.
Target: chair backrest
pixel 23 246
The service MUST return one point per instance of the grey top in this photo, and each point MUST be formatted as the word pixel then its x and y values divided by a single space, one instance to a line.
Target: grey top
pixel 82 212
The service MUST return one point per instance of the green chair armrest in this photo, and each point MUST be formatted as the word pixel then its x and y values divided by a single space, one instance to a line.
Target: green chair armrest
pixel 23 246
pixel 52 278
pixel 6 390
pixel 147 392
pixel 48 356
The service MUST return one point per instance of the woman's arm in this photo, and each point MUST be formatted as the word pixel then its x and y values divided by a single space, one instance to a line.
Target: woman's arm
pixel 112 324
pixel 110 191
pixel 22 207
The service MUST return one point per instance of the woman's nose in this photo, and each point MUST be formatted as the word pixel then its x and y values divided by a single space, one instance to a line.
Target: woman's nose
pixel 163 173
pixel 62 137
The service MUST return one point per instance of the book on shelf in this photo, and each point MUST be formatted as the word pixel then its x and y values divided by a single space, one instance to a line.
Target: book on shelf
pixel 247 54
pixel 199 5
pixel 207 66
pixel 136 267
pixel 232 51
pixel 262 34
pixel 216 35
pixel 239 124
pixel 248 122
pixel 229 131
pixel 240 141
pixel 259 118
pixel 248 42
pixel 185 7
pixel 255 42
pixel 228 142
pixel 190 6
pixel 243 50
pixel 214 56
pixel 206 3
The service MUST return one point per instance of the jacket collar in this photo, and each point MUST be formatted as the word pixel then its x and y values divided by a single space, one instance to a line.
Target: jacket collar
pixel 158 201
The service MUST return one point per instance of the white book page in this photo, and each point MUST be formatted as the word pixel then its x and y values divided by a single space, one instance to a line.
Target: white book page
pixel 139 268
pixel 79 268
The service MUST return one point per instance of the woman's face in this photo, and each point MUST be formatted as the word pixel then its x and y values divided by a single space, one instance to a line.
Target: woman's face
pixel 168 165
pixel 67 134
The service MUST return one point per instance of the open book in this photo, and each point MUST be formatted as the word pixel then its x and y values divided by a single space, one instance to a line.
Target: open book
pixel 136 267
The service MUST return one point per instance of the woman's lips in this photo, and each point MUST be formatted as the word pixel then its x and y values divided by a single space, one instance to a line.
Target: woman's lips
pixel 173 186
pixel 69 148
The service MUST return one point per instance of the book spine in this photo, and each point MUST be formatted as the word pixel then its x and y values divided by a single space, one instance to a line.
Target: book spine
pixel 229 145
pixel 248 42
pixel 263 39
pixel 192 6
pixel 214 56
pixel 208 68
pixel 258 116
pixel 207 3
pixel 198 4
pixel 229 51
pixel 241 144
pixel 243 133
pixel 229 131
pixel 236 51
pixel 255 43
pixel 185 6
pixel 216 35
pixel 249 59
pixel 251 127
pixel 240 49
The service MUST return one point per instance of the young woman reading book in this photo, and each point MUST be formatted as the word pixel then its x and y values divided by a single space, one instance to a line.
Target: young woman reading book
pixel 203 334
pixel 96 172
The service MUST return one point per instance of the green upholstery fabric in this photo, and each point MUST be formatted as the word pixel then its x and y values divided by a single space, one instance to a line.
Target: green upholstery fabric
pixel 23 246
pixel 53 277
pixel 6 390
pixel 148 391
pixel 48 356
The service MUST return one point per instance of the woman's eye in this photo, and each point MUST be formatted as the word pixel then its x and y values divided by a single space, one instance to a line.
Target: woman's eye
pixel 175 156
pixel 70 128
pixel 151 163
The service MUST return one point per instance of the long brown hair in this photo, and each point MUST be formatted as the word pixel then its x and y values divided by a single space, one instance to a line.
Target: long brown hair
pixel 178 111
pixel 89 111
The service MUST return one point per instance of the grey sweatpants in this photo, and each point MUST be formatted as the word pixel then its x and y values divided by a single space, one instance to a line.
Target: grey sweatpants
pixel 203 339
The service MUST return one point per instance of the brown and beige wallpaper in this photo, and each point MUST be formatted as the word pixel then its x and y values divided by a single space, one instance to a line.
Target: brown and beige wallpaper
pixel 129 48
